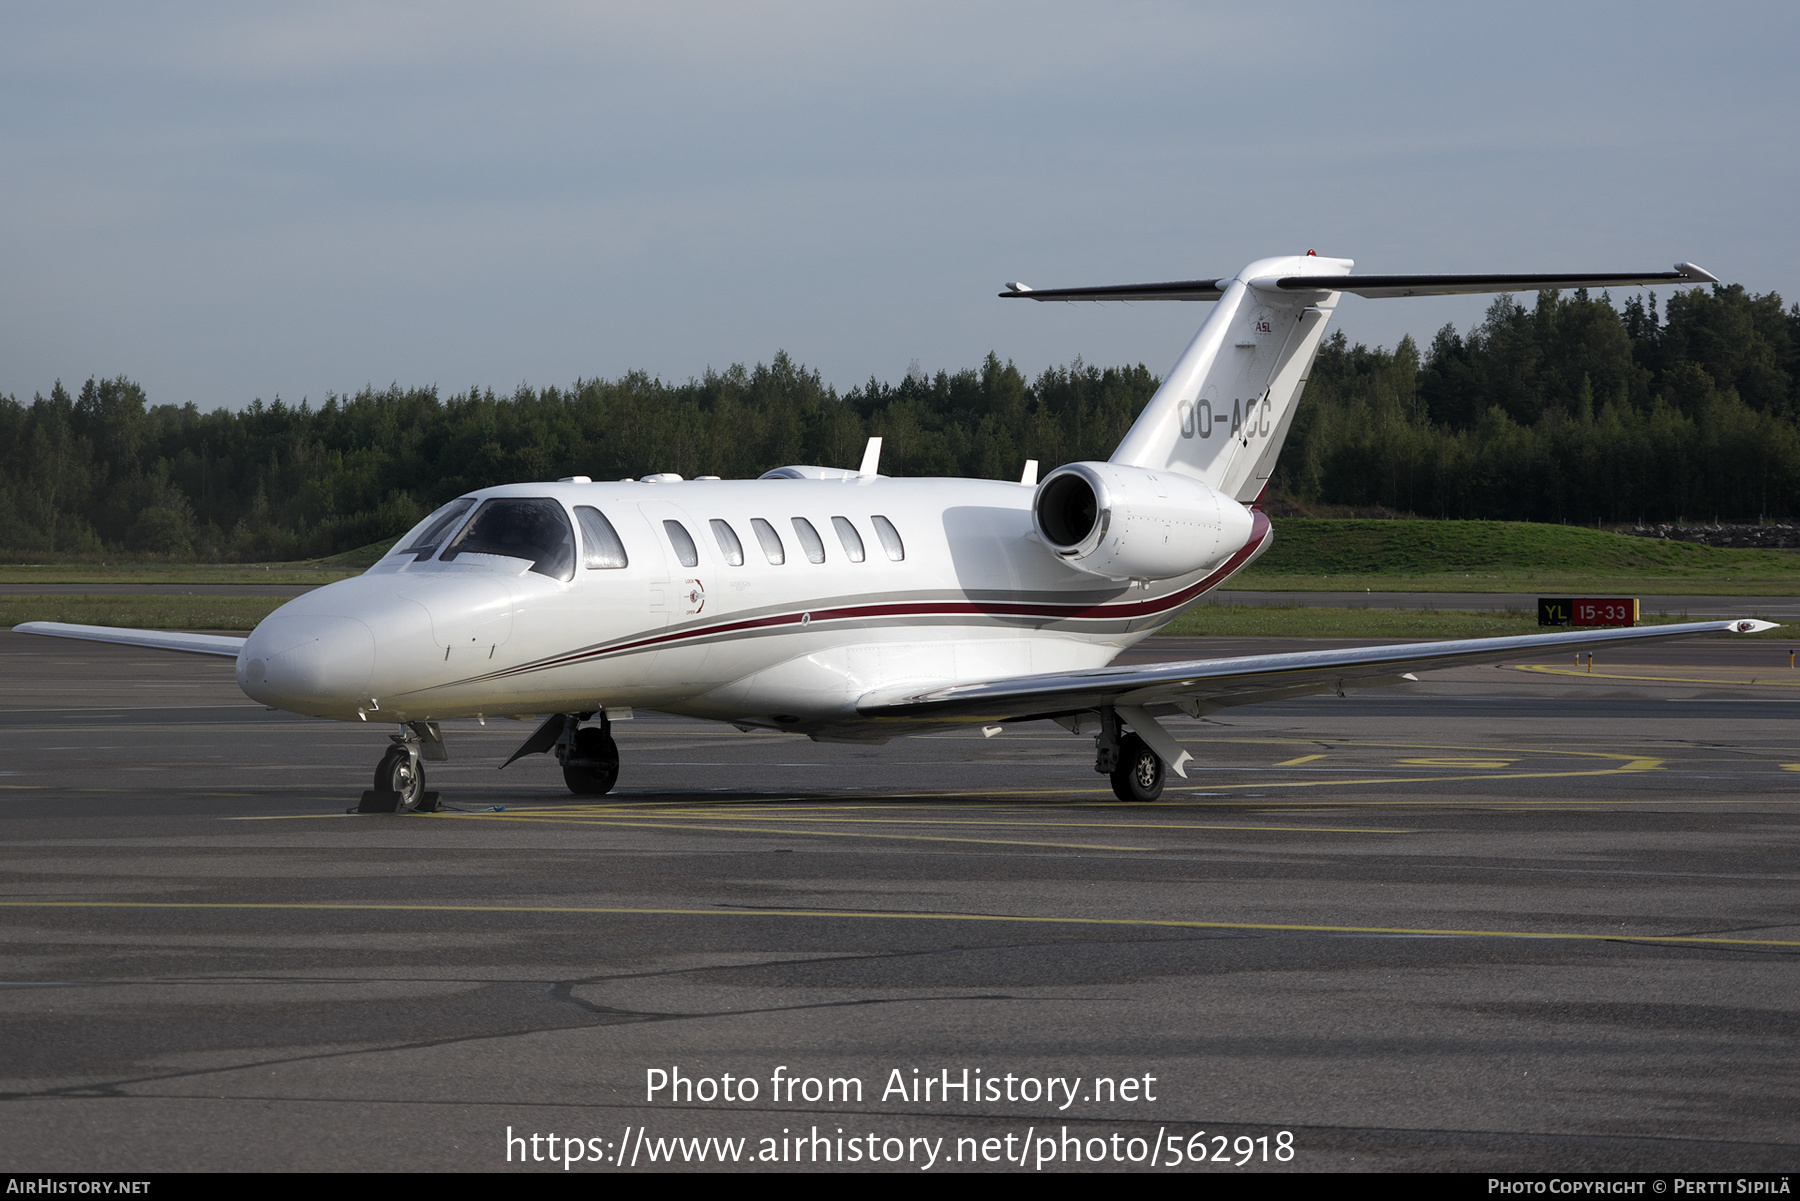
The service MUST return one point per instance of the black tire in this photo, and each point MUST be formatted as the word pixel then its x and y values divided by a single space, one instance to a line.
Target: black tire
pixel 593 764
pixel 402 773
pixel 1139 776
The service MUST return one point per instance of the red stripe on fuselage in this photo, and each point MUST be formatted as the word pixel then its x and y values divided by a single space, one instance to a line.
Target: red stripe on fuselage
pixel 1109 611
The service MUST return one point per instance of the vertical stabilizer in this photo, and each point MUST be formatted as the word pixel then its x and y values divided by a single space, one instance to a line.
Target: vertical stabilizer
pixel 1224 410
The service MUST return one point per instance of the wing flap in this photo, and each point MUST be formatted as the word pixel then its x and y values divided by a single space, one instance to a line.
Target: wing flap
pixel 162 640
pixel 1249 679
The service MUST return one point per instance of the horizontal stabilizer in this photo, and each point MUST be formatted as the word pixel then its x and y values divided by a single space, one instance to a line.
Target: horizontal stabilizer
pixel 162 640
pixel 1181 289
pixel 1378 286
pixel 1374 286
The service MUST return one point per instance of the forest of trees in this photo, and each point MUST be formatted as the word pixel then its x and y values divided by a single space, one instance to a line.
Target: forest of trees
pixel 1571 410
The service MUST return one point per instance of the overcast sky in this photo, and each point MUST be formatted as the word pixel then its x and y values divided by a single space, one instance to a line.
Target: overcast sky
pixel 226 201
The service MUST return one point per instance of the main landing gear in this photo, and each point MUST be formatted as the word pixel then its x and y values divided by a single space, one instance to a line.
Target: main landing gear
pixel 588 754
pixel 1136 771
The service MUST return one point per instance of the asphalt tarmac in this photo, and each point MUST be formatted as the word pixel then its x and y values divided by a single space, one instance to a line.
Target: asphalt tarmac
pixel 1537 920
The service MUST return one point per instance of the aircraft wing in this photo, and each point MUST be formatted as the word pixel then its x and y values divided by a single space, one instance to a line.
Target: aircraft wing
pixel 162 640
pixel 1201 685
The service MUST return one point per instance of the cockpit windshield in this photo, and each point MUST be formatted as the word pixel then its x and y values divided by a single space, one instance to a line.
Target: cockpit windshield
pixel 429 534
pixel 533 528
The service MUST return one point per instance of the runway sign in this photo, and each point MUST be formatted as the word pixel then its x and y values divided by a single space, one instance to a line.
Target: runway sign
pixel 1587 611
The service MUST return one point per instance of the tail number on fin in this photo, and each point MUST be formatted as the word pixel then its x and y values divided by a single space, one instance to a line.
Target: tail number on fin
pixel 1197 418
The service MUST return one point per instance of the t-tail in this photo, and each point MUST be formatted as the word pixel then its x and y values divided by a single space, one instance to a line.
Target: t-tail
pixel 1225 408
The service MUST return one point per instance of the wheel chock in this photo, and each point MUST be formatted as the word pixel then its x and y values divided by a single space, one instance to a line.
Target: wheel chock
pixel 381 800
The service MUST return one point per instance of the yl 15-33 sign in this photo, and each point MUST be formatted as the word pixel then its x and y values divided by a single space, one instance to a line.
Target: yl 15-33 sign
pixel 1587 611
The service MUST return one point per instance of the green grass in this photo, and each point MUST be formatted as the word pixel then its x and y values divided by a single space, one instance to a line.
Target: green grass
pixel 1330 555
pixel 1308 555
pixel 237 573
pixel 141 612
pixel 309 571
pixel 359 559
pixel 1542 584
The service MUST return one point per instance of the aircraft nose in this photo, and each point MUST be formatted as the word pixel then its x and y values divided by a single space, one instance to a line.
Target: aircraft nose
pixel 308 663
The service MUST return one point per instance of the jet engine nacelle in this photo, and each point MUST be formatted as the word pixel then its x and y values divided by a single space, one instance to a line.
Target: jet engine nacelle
pixel 1130 523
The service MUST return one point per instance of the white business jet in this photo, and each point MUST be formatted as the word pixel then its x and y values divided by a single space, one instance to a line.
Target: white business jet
pixel 851 607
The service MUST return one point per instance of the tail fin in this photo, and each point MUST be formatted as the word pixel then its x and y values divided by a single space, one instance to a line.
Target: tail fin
pixel 1224 410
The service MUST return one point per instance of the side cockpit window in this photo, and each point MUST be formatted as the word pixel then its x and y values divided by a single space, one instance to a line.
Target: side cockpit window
pixel 429 534
pixel 601 547
pixel 533 528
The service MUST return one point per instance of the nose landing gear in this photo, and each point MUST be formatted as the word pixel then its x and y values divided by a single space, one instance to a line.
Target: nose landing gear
pixel 400 776
pixel 399 772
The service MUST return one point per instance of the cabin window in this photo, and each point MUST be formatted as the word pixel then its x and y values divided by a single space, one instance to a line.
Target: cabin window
pixel 600 542
pixel 809 540
pixel 683 542
pixel 533 528
pixel 429 534
pixel 849 537
pixel 890 538
pixel 729 546
pixel 771 541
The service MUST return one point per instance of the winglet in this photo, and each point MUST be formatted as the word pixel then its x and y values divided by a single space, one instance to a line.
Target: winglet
pixel 871 459
pixel 1028 477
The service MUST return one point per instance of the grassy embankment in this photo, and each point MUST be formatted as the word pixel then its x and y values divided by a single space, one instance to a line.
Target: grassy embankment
pixel 1308 555
pixel 1319 555
pixel 1330 555
pixel 226 613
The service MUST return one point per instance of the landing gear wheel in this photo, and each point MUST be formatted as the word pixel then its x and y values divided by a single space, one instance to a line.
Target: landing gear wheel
pixel 400 771
pixel 592 767
pixel 1139 776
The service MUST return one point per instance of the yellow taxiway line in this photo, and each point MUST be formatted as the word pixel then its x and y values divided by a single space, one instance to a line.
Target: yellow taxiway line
pixel 879 915
pixel 901 820
pixel 1547 669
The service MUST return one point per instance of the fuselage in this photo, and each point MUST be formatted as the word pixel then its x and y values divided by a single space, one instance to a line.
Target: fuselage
pixel 774 603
